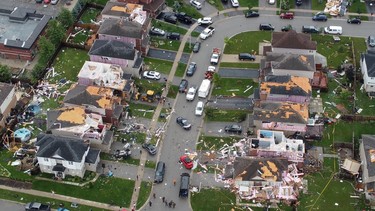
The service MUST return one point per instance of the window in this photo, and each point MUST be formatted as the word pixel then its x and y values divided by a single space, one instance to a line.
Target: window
pixel 70 163
pixel 46 159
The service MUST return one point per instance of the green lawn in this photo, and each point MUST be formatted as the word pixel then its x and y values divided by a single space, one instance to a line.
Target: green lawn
pixel 144 193
pixel 358 7
pixel 214 143
pixel 168 27
pixel 162 66
pixel 173 91
pixel 68 63
pixel 101 2
pixel 241 42
pixel 216 3
pixel 234 87
pixel 142 110
pixel 90 14
pixel 139 137
pixel 129 160
pixel 188 48
pixel 106 190
pixel 240 65
pixel 360 46
pixel 6 157
pixel 24 198
pixel 190 10
pixel 150 164
pixel 161 43
pixel 213 199
pixel 143 85
pixel 247 3
pixel 180 71
pixel 225 115
pixel 318 5
pixel 80 38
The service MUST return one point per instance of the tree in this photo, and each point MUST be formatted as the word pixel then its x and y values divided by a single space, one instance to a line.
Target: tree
pixel 37 71
pixel 65 18
pixel 5 74
pixel 55 32
pixel 46 48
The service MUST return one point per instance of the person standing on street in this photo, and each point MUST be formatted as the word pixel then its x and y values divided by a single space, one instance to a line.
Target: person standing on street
pixel 150 203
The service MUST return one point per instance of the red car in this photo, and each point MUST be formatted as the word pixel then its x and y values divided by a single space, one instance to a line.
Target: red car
pixel 287 15
pixel 47 1
pixel 186 161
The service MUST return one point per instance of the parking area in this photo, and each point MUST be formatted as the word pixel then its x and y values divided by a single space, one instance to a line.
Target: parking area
pixel 42 8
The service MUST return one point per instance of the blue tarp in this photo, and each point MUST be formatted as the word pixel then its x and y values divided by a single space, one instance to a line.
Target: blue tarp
pixel 23 134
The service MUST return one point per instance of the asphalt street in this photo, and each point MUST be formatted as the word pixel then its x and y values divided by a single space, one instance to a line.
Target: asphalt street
pixel 8 205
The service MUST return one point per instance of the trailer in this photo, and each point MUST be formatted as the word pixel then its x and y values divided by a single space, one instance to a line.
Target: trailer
pixel 204 89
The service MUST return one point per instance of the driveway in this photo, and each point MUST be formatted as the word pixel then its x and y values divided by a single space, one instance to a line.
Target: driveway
pixel 231 103
pixel 238 73
pixel 167 55
pixel 217 128
pixel 306 5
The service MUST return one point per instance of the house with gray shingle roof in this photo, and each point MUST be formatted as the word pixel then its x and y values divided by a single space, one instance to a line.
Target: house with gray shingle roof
pixel 293 42
pixel 367 155
pixel 125 31
pixel 367 64
pixel 8 101
pixel 65 156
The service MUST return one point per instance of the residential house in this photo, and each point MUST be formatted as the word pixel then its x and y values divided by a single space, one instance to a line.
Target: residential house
pixel 292 42
pixel 367 155
pixel 273 144
pixel 74 122
pixel 8 101
pixel 20 31
pixel 261 179
pixel 65 156
pixel 125 31
pixel 302 65
pixel 282 116
pixel 284 89
pixel 367 64
pixel 117 53
pixel 153 7
pixel 106 75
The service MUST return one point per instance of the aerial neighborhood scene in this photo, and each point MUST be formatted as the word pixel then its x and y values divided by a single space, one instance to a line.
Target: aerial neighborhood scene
pixel 202 105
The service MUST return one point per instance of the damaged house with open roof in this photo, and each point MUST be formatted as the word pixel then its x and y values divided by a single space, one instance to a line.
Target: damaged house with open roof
pixel 74 122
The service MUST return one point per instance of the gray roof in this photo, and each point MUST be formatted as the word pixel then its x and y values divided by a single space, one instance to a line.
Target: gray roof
pixel 293 40
pixel 369 144
pixel 79 95
pixel 108 136
pixel 121 28
pixel 279 112
pixel 370 63
pixel 138 62
pixel 5 90
pixel 249 168
pixel 92 155
pixel 108 9
pixel 69 149
pixel 52 116
pixel 113 49
pixel 21 27
pixel 291 61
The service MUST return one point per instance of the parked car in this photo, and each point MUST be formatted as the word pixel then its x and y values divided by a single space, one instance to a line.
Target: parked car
pixel 191 69
pixel 39 1
pixel 246 56
pixel 173 36
pixel 319 17
pixel 199 108
pixel 287 28
pixel 157 31
pixel 36 206
pixel 186 161
pixel 333 30
pixel 266 27
pixel 159 172
pixel 184 185
pixel 184 18
pixel 150 148
pixel 196 47
pixel 151 75
pixel 235 3
pixel 170 18
pixel 183 123
pixel 271 2
pixel 54 2
pixel 204 21
pixel 287 15
pixel 196 4
pixel 310 30
pixel 356 20
pixel 298 2
pixel 371 41
pixel 233 129
pixel 190 95
pixel 183 85
pixel 251 14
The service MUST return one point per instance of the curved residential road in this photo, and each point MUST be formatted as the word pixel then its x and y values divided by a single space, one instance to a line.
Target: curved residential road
pixel 176 141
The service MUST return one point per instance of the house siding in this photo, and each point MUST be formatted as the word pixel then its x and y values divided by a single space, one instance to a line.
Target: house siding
pixel 9 102
pixel 369 82
pixel 77 169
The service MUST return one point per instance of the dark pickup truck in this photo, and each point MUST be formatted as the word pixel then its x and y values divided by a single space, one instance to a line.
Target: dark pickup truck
pixel 37 207
pixel 184 18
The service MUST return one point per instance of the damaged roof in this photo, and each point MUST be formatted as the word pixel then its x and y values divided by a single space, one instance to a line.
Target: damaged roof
pixel 99 97
pixel 113 49
pixel 62 148
pixel 286 85
pixel 121 28
pixel 258 169
pixel 290 61
pixel 65 117
pixel 281 112
pixel 370 63
pixel 119 9
pixel 293 40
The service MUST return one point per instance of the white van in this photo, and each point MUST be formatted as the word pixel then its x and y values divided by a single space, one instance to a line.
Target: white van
pixel 235 3
pixel 333 30
pixel 204 89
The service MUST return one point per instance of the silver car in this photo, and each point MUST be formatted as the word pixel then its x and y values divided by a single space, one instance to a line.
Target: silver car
pixel 371 41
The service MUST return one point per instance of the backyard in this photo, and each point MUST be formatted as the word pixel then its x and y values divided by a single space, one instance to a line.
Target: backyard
pixel 235 87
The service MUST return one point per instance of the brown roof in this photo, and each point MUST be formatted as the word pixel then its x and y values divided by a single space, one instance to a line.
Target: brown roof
pixel 294 86
pixel 282 112
pixel 292 39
